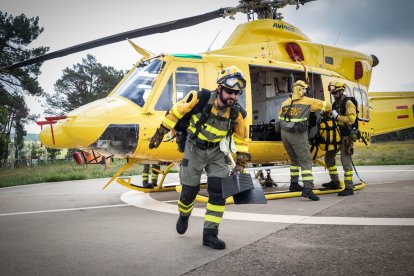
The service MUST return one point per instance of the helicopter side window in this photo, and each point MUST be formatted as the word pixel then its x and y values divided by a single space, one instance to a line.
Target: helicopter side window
pixel 165 102
pixel 362 100
pixel 365 105
pixel 138 86
pixel 186 80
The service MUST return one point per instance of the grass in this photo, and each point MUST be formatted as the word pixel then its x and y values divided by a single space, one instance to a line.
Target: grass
pixel 391 153
pixel 60 171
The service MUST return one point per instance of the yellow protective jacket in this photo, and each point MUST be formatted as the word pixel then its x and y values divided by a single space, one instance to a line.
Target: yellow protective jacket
pixel 217 125
pixel 295 111
pixel 347 114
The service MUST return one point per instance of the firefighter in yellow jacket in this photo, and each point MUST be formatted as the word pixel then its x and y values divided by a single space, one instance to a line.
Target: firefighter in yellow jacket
pixel 213 116
pixel 344 112
pixel 293 117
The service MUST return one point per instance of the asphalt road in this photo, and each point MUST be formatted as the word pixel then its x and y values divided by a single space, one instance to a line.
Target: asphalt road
pixel 75 228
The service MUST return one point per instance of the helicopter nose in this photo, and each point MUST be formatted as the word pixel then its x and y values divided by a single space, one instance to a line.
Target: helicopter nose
pixel 53 136
pixel 85 125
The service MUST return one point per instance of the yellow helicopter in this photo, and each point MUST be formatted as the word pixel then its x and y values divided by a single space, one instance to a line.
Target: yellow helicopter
pixel 271 52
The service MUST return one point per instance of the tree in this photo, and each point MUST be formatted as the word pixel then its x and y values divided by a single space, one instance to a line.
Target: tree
pixel 16 33
pixel 84 83
pixel 53 153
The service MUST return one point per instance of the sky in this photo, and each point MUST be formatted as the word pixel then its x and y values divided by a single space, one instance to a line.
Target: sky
pixel 380 27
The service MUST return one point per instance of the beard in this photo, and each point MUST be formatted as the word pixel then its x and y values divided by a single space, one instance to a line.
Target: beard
pixel 227 102
pixel 230 103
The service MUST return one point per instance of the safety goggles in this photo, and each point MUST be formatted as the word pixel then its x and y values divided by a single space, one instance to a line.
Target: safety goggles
pixel 235 82
pixel 231 91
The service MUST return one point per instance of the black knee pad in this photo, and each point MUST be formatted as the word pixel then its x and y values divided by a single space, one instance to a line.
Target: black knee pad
pixel 189 193
pixel 214 190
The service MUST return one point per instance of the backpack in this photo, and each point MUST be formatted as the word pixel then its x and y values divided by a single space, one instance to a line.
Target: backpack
pixel 203 106
pixel 343 107
pixel 328 136
pixel 354 131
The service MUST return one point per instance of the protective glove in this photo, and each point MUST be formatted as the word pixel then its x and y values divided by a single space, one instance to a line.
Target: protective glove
pixel 334 114
pixel 237 168
pixel 242 158
pixel 156 139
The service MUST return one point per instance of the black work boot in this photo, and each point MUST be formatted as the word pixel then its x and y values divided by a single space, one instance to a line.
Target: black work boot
pixel 210 239
pixel 346 192
pixel 295 187
pixel 182 224
pixel 145 184
pixel 307 192
pixel 333 185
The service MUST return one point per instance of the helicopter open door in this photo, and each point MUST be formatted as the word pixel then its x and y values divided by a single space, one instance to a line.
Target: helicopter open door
pixel 270 88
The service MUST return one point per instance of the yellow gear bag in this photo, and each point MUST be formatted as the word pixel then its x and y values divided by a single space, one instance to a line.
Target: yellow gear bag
pixel 329 135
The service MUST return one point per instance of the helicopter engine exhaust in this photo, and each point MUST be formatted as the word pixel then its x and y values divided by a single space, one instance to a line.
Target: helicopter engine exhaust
pixel 375 60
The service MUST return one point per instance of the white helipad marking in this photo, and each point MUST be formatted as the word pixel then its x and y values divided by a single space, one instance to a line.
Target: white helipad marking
pixel 145 201
pixel 63 210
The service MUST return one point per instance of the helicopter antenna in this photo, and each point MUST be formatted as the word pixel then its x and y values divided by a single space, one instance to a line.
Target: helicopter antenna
pixel 339 35
pixel 209 48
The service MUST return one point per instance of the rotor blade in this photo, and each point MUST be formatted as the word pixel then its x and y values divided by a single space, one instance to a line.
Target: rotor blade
pixel 305 1
pixel 158 28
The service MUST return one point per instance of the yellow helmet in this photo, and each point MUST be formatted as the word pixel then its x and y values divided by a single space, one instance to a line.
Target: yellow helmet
pixel 336 86
pixel 232 78
pixel 299 89
pixel 300 83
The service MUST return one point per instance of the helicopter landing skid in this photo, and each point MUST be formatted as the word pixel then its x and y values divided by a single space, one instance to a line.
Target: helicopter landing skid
pixel 126 181
pixel 282 194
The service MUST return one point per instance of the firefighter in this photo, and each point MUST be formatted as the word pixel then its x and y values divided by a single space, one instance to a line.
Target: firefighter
pixel 146 172
pixel 344 113
pixel 293 118
pixel 214 116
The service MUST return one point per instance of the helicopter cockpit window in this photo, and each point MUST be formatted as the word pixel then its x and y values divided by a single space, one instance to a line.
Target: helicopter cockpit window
pixel 186 80
pixel 138 86
pixel 165 102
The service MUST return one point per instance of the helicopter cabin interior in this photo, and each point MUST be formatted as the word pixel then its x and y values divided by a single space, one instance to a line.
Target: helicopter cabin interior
pixel 269 89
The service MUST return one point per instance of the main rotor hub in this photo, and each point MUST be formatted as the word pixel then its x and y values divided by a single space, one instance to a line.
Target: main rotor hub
pixel 265 9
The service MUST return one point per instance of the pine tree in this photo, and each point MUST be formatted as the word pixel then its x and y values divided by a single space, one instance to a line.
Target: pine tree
pixel 16 33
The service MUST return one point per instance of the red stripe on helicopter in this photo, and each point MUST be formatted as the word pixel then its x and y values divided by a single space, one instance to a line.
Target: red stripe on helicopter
pixel 402 106
pixel 402 116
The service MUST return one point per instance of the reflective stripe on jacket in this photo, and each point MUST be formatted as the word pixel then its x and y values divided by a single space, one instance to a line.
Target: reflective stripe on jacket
pixel 296 113
pixel 217 125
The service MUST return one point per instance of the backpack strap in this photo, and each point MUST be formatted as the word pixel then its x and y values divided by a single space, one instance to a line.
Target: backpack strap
pixel 205 104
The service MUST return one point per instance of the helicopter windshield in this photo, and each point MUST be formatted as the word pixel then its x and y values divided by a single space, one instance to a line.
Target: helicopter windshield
pixel 139 84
